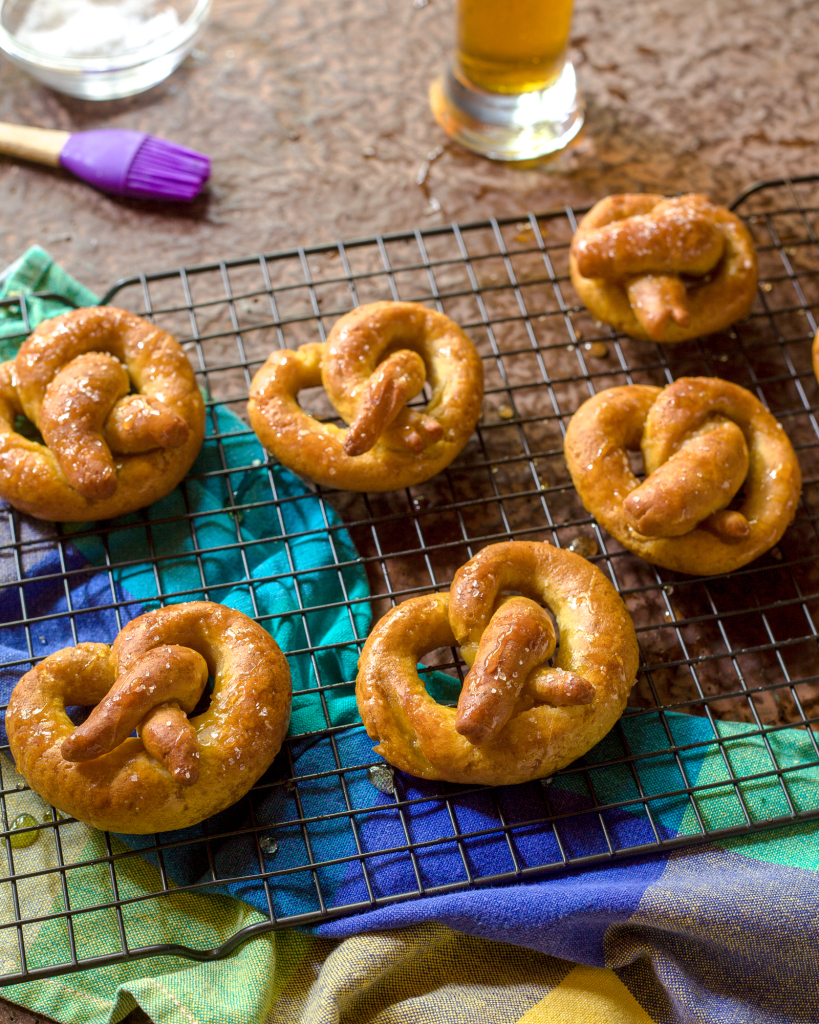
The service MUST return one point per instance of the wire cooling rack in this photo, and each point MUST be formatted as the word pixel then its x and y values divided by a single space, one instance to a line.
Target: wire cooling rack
pixel 729 664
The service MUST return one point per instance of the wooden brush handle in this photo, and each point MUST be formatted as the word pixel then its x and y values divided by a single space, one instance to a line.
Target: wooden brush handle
pixel 42 145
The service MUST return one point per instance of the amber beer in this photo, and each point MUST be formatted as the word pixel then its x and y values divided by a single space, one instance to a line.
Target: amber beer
pixel 509 89
pixel 512 46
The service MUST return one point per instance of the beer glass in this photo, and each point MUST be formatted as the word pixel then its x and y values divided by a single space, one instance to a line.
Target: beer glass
pixel 509 92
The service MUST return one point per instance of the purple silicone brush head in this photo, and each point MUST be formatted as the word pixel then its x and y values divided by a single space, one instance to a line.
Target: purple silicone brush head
pixel 131 163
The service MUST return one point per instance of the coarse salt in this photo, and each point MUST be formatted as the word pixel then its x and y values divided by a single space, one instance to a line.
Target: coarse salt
pixel 82 28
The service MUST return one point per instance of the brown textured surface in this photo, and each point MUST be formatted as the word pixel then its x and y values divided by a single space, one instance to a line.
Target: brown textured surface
pixel 317 120
pixel 316 117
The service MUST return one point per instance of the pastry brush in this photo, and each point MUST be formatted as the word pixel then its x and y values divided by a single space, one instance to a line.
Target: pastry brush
pixel 124 163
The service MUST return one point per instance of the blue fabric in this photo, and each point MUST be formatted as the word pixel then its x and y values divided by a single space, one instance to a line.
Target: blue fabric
pixel 724 933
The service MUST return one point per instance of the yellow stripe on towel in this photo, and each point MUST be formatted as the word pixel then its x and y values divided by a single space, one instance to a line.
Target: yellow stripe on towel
pixel 588 994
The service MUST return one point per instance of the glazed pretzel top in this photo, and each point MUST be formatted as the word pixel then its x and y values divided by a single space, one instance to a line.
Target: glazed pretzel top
pixel 180 769
pixel 117 404
pixel 376 359
pixel 519 717
pixel 663 269
pixel 722 479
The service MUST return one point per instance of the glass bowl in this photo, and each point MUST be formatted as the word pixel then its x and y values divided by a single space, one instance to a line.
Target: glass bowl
pixel 100 49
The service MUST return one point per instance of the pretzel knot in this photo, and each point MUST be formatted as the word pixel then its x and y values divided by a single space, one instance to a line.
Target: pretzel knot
pixel 107 450
pixel 180 769
pixel 722 479
pixel 518 717
pixel 663 269
pixel 376 360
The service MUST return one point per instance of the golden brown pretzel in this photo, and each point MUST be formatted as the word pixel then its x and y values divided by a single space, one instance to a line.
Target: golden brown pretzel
pixel 663 269
pixel 180 770
pixel 815 354
pixel 375 360
pixel 518 717
pixel 705 442
pixel 107 451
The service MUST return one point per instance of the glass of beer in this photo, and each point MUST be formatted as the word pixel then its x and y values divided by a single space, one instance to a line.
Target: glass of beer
pixel 510 92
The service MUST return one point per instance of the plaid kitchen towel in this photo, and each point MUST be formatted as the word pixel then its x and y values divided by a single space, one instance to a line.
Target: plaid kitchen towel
pixel 723 932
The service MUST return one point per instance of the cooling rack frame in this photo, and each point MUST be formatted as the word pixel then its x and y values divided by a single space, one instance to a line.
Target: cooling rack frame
pixel 714 651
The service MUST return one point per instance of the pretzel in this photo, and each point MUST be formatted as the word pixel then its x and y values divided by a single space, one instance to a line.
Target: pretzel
pixel 707 444
pixel 815 354
pixel 180 769
pixel 376 359
pixel 518 717
pixel 107 451
pixel 663 269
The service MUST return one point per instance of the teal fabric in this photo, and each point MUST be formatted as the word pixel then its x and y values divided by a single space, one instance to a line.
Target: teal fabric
pixel 35 271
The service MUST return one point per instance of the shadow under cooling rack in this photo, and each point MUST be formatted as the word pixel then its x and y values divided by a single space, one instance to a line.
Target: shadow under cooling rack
pixel 719 738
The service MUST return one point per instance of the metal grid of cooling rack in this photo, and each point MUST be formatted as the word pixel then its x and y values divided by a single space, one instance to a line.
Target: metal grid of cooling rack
pixel 729 664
